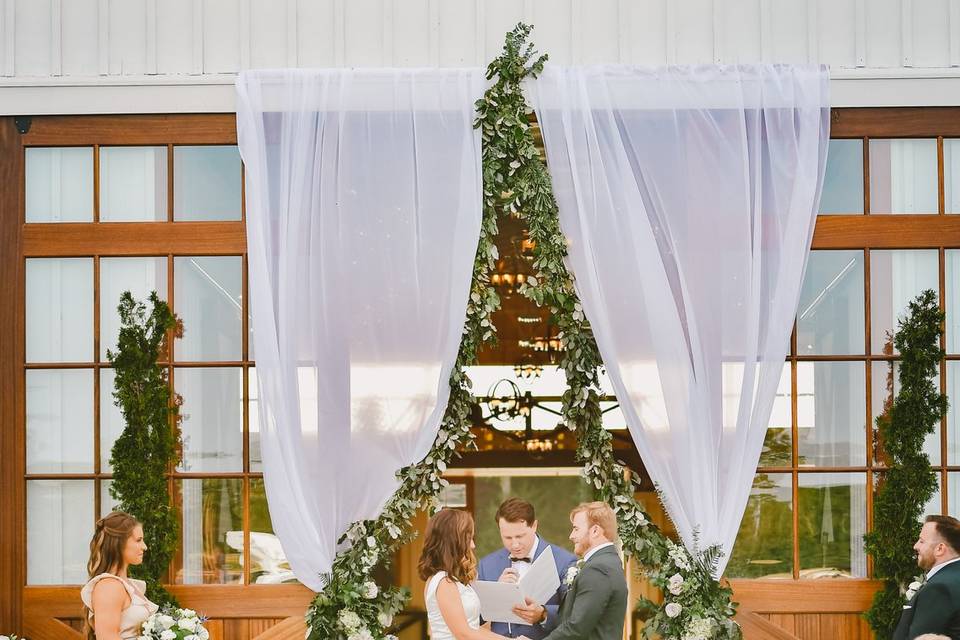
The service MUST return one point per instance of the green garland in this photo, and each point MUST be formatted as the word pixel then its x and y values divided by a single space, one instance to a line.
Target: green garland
pixel 148 448
pixel 909 483
pixel 696 605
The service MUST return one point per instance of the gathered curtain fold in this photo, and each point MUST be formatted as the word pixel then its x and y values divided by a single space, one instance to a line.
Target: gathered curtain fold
pixel 363 210
pixel 688 196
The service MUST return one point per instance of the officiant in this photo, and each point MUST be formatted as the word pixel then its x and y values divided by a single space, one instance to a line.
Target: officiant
pixel 517 522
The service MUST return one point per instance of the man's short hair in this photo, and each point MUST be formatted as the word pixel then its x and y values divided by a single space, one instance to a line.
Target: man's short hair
pixel 600 514
pixel 948 528
pixel 516 510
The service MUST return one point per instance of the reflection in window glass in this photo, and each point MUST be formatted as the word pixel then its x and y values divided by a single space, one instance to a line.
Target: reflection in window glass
pixel 212 425
pixel 59 184
pixel 885 379
pixel 903 176
pixel 953 414
pixel 843 181
pixel 896 278
pixel 253 420
pixel 268 562
pixel 133 184
pixel 59 309
pixel 208 298
pixel 59 528
pixel 59 421
pixel 139 276
pixel 206 183
pixel 107 502
pixel 764 544
pixel 951 295
pixel 777 444
pixel 951 175
pixel 830 414
pixel 212 519
pixel 111 418
pixel 832 514
pixel 830 316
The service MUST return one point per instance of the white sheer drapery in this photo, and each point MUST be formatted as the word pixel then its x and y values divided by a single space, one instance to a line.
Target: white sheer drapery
pixel 363 204
pixel 689 197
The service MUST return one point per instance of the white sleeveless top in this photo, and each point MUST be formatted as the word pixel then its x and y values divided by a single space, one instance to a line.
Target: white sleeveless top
pixel 471 607
pixel 132 617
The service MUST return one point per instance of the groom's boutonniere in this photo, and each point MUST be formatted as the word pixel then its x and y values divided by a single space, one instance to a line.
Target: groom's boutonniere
pixel 913 587
pixel 572 573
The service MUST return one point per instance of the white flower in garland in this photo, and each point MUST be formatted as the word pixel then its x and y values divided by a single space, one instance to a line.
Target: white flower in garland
pixel 384 618
pixel 370 590
pixel 675 584
pixel 350 621
pixel 698 629
pixel 672 610
pixel 679 556
pixel 361 634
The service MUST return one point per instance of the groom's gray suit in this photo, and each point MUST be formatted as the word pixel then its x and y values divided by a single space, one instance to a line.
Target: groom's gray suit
pixel 595 604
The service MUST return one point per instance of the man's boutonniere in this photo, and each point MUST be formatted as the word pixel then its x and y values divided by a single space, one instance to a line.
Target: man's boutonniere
pixel 912 589
pixel 572 573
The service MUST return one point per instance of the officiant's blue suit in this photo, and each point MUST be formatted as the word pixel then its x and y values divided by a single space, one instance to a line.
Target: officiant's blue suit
pixel 491 566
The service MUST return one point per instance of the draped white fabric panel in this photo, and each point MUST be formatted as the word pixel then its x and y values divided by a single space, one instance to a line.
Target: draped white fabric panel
pixel 689 196
pixel 363 196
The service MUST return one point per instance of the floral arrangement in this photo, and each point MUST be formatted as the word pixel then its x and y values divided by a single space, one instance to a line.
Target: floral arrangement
pixel 12 637
pixel 170 623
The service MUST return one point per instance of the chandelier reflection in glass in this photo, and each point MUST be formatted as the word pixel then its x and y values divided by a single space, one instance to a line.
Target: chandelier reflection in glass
pixel 506 402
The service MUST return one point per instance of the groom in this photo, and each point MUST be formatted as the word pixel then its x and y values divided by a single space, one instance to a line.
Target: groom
pixel 517 522
pixel 595 602
pixel 936 606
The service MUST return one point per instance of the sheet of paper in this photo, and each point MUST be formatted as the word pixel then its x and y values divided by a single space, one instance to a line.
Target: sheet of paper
pixel 541 581
pixel 497 600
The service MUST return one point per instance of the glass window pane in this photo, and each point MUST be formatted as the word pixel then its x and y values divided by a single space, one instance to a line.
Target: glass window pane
pixel 111 418
pixel 268 562
pixel 831 414
pixel 133 184
pixel 59 184
pixel 206 183
pixel 830 316
pixel 832 518
pixel 212 424
pixel 843 182
pixel 934 505
pixel 253 420
pixel 59 420
pixel 59 528
pixel 903 176
pixel 777 444
pixel 212 519
pixel 208 298
pixel 107 502
pixel 953 492
pixel 951 175
pixel 59 313
pixel 896 278
pixel 953 413
pixel 885 380
pixel 139 276
pixel 951 299
pixel 764 542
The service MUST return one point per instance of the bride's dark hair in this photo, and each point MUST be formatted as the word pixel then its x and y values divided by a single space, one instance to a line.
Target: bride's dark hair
pixel 106 552
pixel 447 547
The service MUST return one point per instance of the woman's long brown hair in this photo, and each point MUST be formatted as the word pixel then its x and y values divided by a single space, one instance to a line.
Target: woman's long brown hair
pixel 447 547
pixel 106 553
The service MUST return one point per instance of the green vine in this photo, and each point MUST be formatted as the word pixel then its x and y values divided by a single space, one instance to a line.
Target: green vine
pixel 351 605
pixel 908 483
pixel 148 448
pixel 696 605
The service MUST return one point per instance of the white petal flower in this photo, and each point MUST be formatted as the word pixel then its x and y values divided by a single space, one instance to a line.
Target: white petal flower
pixel 385 619
pixel 188 613
pixel 188 624
pixel 370 590
pixel 165 622
pixel 673 610
pixel 168 635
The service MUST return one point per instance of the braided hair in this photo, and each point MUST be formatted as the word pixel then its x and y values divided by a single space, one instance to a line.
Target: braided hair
pixel 106 552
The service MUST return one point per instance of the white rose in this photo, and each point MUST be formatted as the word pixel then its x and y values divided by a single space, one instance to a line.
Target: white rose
pixel 385 619
pixel 371 542
pixel 203 633
pixel 673 610
pixel 189 624
pixel 370 590
pixel 168 635
pixel 675 585
pixel 188 613
pixel 165 621
pixel 192 636
pixel 4 637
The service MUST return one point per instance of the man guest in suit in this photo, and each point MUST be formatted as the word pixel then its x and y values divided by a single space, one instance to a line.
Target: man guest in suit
pixel 935 608
pixel 517 522
pixel 595 602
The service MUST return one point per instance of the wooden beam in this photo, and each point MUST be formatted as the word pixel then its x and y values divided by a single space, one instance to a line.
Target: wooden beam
pixel 886 231
pixel 134 239
pixel 214 128
pixel 805 596
pixel 756 627
pixel 895 122
pixel 49 629
pixel 292 628
pixel 12 434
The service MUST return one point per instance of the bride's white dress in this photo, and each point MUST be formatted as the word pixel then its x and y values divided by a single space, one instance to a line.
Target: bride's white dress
pixel 471 607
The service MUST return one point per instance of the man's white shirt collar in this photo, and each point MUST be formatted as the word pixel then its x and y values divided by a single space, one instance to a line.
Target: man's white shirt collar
pixel 590 553
pixel 940 566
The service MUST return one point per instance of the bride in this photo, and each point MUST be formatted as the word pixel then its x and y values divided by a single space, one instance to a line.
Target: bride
pixel 448 565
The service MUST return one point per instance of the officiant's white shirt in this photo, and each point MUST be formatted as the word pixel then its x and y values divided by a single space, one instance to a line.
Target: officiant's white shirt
pixel 522 567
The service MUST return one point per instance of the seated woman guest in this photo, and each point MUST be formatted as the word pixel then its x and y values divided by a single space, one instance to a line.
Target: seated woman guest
pixel 116 605
pixel 448 565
